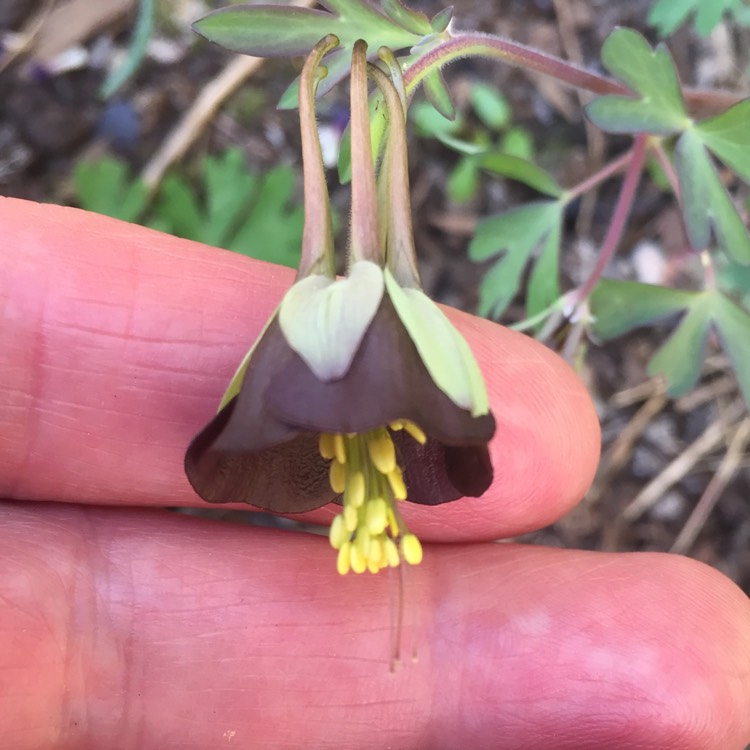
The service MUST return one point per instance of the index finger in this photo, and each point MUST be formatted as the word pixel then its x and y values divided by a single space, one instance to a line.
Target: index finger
pixel 118 342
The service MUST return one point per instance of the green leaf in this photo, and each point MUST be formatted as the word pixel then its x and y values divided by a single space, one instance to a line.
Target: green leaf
pixel 229 187
pixel 444 351
pixel 440 21
pixel 491 106
pixel 179 211
pixel 733 328
pixel 706 203
pixel 267 30
pixel 324 320
pixel 144 27
pixel 679 359
pixel 521 170
pixel 728 136
pixel 621 306
pixel 544 284
pixel 516 233
pixel 651 74
pixel 438 95
pixel 668 15
pixel 273 228
pixel 463 180
pixel 409 19
pixel 281 31
pixel 107 187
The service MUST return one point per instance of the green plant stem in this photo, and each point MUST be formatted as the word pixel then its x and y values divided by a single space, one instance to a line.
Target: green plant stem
pixel 615 166
pixel 709 270
pixel 477 44
pixel 619 218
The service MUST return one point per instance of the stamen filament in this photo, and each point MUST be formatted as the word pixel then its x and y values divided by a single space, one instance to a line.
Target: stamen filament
pixel 369 533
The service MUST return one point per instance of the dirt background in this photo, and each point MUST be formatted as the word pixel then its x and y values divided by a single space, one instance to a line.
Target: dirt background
pixel 662 458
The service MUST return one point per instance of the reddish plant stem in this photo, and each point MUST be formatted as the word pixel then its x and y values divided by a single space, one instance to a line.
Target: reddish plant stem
pixel 667 166
pixel 620 216
pixel 472 44
pixel 599 176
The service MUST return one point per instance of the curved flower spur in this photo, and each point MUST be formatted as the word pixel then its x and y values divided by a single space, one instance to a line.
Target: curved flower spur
pixel 359 389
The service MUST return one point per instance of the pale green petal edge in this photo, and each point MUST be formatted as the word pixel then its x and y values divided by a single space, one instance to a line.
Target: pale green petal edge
pixel 236 382
pixel 444 351
pixel 325 320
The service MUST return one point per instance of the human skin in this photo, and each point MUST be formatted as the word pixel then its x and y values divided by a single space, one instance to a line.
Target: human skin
pixel 131 627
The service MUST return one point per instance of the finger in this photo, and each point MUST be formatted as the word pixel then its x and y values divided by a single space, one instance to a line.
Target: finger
pixel 118 343
pixel 135 628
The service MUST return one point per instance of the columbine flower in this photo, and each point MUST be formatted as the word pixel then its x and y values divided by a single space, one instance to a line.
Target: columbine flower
pixel 360 389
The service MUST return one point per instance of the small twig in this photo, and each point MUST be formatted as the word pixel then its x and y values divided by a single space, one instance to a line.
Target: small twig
pixel 618 454
pixel 728 468
pixel 197 118
pixel 681 466
pixel 28 35
pixel 637 393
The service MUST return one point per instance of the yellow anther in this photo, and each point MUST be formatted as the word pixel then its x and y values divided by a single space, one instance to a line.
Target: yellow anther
pixel 376 516
pixel 392 522
pixel 325 445
pixel 338 533
pixel 355 490
pixel 357 560
pixel 343 559
pixel 339 448
pixel 376 551
pixel 362 542
pixel 350 518
pixel 415 431
pixel 373 567
pixel 382 452
pixel 411 549
pixel 396 480
pixel 391 552
pixel 397 425
pixel 337 476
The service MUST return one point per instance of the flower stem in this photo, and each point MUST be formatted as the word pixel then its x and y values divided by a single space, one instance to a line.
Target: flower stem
pixel 622 209
pixel 317 236
pixel 365 233
pixel 400 251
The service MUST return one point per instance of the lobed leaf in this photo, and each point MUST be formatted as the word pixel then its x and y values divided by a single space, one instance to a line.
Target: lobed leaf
pixel 621 306
pixel 733 328
pixel 521 170
pixel 679 359
pixel 728 136
pixel 706 203
pixel 517 234
pixel 659 107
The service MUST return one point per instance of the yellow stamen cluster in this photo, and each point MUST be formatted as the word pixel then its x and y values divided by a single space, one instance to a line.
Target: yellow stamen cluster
pixel 370 533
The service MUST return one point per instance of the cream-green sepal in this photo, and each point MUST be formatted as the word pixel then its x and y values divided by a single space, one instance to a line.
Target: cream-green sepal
pixel 444 351
pixel 324 320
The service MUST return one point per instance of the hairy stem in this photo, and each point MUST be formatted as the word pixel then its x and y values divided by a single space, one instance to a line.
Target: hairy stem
pixel 477 44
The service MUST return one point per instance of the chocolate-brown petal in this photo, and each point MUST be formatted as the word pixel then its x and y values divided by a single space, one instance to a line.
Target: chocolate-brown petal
pixel 287 478
pixel 435 473
pixel 387 381
pixel 245 454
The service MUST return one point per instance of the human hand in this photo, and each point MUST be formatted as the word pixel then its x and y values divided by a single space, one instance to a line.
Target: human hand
pixel 133 627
